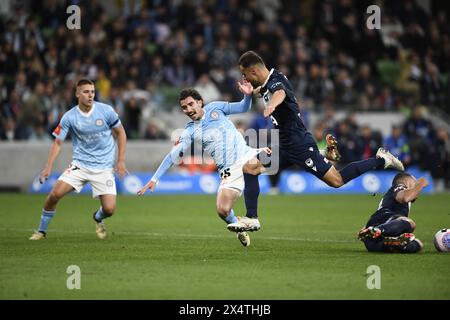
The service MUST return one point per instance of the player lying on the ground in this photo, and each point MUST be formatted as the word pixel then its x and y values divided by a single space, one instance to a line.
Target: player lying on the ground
pixel 91 126
pixel 390 229
pixel 220 139
pixel 297 145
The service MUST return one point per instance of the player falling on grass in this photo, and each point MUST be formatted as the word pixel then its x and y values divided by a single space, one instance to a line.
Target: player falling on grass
pixel 91 125
pixel 220 139
pixel 297 145
pixel 390 229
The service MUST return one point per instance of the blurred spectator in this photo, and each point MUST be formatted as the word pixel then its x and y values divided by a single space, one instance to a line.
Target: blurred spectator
pixel 440 169
pixel 178 74
pixel 432 86
pixel 421 135
pixel 331 60
pixel 32 113
pixel 348 144
pixel 370 142
pixel 207 89
pixel 132 117
pixel 397 144
pixel 154 132
pixel 319 136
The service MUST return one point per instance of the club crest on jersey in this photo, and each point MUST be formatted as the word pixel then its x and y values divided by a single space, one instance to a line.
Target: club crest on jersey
pixel 99 122
pixel 214 115
pixel 309 162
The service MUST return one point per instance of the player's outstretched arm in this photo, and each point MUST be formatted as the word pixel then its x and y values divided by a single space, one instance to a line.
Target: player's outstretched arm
pixel 170 159
pixel 55 149
pixel 277 98
pixel 121 138
pixel 411 194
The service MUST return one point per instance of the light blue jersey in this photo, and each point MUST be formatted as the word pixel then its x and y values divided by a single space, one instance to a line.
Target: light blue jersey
pixel 216 134
pixel 93 144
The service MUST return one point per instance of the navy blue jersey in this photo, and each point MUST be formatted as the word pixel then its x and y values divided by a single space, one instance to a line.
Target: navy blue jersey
pixel 390 207
pixel 286 117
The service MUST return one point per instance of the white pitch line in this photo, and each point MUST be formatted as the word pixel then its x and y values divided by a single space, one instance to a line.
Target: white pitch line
pixel 183 235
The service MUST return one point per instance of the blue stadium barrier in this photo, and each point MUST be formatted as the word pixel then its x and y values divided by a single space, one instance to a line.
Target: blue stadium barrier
pixel 171 183
pixel 175 183
pixel 295 182
pixel 291 182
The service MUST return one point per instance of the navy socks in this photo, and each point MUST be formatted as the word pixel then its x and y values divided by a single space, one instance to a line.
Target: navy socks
pixel 357 168
pixel 251 194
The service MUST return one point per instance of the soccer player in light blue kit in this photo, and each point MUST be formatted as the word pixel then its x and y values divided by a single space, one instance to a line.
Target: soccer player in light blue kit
pixel 220 139
pixel 91 125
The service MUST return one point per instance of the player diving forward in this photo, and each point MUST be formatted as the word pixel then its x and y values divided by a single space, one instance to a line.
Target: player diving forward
pixel 297 145
pixel 91 126
pixel 220 139
pixel 390 229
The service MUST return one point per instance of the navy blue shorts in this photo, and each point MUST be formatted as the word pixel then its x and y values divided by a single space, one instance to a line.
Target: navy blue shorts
pixel 308 157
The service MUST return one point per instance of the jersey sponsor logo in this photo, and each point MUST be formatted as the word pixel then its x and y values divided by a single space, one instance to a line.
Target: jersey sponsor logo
pixel 57 130
pixel 276 84
pixel 99 122
pixel 214 115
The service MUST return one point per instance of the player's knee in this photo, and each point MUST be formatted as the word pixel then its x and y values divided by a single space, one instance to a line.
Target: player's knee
pixel 413 247
pixel 335 182
pixel 223 210
pixel 53 197
pixel 411 223
pixel 109 209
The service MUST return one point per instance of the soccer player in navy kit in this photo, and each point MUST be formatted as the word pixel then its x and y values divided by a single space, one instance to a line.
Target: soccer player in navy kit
pixel 92 126
pixel 390 229
pixel 297 145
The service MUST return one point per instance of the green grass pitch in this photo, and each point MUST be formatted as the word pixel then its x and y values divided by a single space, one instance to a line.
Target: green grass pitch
pixel 176 247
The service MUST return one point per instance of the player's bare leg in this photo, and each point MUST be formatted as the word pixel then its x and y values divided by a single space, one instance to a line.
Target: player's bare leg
pixel 253 167
pixel 59 190
pixel 108 206
pixel 226 199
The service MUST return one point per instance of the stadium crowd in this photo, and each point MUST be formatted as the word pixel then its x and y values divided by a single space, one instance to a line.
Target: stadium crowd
pixel 143 54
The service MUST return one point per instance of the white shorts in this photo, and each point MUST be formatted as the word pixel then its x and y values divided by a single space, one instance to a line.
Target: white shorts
pixel 233 176
pixel 102 181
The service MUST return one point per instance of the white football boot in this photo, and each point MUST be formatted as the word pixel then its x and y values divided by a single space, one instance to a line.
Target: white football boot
pixel 100 230
pixel 389 160
pixel 245 224
pixel 37 235
pixel 244 238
